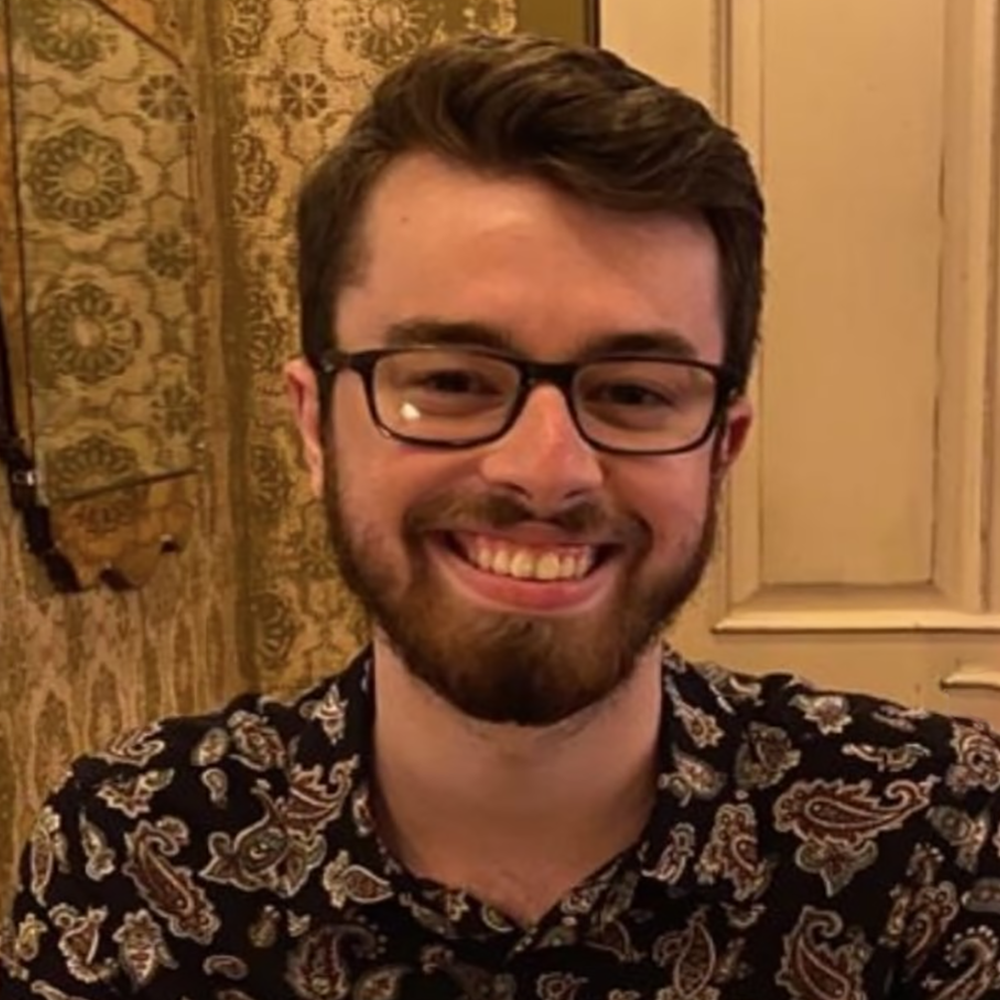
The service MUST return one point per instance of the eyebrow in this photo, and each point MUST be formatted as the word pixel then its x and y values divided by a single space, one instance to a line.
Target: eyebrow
pixel 430 332
pixel 662 342
pixel 427 332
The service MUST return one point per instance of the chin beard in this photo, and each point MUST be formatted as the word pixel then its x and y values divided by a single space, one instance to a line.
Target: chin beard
pixel 506 667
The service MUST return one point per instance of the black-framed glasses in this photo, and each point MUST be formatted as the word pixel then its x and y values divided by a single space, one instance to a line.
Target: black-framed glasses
pixel 459 397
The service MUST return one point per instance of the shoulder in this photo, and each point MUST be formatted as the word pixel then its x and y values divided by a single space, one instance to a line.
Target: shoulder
pixel 253 733
pixel 180 820
pixel 845 797
pixel 187 780
pixel 780 720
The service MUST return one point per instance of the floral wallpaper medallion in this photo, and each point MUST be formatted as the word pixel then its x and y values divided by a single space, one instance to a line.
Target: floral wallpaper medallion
pixel 68 33
pixel 170 253
pixel 385 31
pixel 179 409
pixel 80 177
pixel 163 97
pixel 304 95
pixel 245 24
pixel 87 333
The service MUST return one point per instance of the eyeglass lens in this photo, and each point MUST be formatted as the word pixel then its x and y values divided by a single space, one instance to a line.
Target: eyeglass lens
pixel 462 396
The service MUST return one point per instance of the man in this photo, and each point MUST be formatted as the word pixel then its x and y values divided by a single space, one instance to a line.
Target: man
pixel 530 283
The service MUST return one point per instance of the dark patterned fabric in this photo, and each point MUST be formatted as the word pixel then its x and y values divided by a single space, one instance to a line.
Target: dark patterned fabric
pixel 804 845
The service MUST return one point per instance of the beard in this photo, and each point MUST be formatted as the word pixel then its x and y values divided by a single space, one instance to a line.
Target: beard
pixel 513 667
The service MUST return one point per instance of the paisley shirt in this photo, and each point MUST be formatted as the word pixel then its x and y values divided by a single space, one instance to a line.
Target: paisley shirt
pixel 804 845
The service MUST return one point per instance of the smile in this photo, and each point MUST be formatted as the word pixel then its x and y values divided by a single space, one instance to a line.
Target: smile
pixel 523 574
pixel 546 563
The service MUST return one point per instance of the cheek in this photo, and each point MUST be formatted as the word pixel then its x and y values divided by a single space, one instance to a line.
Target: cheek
pixel 370 487
pixel 356 461
pixel 363 455
pixel 379 480
pixel 672 497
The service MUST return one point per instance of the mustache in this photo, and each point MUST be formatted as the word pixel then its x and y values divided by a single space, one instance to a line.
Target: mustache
pixel 584 519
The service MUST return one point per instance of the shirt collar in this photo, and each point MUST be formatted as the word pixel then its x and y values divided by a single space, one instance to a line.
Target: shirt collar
pixel 699 740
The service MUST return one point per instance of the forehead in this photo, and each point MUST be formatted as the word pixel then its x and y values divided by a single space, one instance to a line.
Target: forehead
pixel 441 241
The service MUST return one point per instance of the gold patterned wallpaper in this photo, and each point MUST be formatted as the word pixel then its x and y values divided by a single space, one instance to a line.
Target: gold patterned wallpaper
pixel 253 90
pixel 106 167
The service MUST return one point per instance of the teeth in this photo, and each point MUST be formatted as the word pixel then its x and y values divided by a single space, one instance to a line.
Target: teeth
pixel 528 564
pixel 548 567
pixel 522 565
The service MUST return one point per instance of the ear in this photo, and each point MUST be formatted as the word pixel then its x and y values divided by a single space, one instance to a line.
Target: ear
pixel 303 392
pixel 738 420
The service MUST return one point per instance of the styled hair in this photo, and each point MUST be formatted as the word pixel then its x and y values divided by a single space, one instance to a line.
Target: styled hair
pixel 578 118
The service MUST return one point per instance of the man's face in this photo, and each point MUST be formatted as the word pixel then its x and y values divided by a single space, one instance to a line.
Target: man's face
pixel 435 542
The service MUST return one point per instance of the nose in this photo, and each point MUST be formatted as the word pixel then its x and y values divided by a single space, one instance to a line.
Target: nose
pixel 542 457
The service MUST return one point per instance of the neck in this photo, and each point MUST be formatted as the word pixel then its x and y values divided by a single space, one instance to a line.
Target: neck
pixel 516 815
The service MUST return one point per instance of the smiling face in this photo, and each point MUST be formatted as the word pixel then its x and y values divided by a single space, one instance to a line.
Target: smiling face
pixel 522 579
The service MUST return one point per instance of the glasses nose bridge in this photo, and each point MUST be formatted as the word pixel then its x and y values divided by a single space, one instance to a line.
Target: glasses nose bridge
pixel 558 373
pixel 561 374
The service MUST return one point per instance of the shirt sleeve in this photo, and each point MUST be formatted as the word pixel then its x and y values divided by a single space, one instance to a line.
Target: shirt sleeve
pixel 64 934
pixel 947 917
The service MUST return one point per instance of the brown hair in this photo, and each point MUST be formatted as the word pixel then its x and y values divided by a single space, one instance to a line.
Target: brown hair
pixel 577 117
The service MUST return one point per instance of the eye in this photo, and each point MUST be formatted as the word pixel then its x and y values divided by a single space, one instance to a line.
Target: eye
pixel 631 394
pixel 445 384
pixel 641 395
pixel 453 381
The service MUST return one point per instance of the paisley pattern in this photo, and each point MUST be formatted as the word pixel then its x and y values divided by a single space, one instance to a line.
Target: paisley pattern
pixel 732 853
pixel 813 966
pixel 804 845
